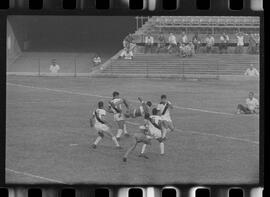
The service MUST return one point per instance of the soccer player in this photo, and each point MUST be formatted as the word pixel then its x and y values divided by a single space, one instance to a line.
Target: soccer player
pixel 115 107
pixel 143 109
pixel 98 121
pixel 153 129
pixel 164 108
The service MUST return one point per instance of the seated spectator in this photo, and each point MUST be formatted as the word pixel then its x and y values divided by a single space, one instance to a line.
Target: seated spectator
pixel 149 42
pixel 126 54
pixel 96 60
pixel 252 105
pixel 224 40
pixel 161 43
pixel 196 42
pixel 128 42
pixel 210 41
pixel 54 68
pixel 172 42
pixel 252 72
pixel 190 49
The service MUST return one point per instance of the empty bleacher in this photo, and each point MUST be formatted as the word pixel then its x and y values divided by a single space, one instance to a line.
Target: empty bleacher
pixel 168 65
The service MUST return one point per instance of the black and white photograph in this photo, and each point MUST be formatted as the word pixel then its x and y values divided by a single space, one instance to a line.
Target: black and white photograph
pixel 132 100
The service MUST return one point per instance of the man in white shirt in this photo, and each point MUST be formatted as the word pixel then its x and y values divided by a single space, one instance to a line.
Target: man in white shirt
pixel 149 42
pixel 184 38
pixel 224 39
pixel 240 42
pixel 54 68
pixel 252 105
pixel 252 72
pixel 172 42
pixel 210 41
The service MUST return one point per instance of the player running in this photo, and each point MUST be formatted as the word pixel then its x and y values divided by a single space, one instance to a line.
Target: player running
pixel 143 109
pixel 97 120
pixel 164 108
pixel 153 129
pixel 115 107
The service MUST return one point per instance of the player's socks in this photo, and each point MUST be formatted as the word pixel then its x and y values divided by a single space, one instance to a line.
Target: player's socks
pixel 115 141
pixel 161 148
pixel 143 148
pixel 125 129
pixel 119 133
pixel 97 140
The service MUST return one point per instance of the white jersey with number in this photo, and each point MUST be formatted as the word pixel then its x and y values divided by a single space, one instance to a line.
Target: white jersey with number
pixel 98 125
pixel 167 115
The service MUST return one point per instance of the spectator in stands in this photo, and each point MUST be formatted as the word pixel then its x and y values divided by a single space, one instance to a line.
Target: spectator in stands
pixel 96 60
pixel 184 38
pixel 172 42
pixel 240 42
pixel 196 42
pixel 252 71
pixel 161 43
pixel 149 42
pixel 126 54
pixel 252 105
pixel 224 40
pixel 210 41
pixel 252 45
pixel 54 68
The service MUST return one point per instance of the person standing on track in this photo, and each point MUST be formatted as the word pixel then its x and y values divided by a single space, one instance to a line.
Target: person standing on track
pixel 115 107
pixel 98 121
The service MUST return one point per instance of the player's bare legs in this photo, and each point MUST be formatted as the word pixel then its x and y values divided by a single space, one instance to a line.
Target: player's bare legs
pixel 142 152
pixel 129 150
pixel 98 139
pixel 121 128
pixel 101 135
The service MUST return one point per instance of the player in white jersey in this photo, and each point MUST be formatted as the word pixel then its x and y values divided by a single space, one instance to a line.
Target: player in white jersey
pixel 164 108
pixel 152 129
pixel 97 120
pixel 115 107
pixel 143 109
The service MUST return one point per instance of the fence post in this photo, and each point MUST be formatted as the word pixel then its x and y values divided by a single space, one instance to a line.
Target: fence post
pixel 218 70
pixel 183 70
pixel 75 66
pixel 39 66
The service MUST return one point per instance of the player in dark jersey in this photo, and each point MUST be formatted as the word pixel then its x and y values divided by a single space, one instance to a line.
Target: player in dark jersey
pixel 143 109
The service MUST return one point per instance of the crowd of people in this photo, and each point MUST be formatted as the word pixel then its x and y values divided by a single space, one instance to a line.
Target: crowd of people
pixel 186 46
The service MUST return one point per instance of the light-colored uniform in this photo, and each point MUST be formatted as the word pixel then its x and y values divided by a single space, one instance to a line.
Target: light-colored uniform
pixel 98 125
pixel 118 104
pixel 166 116
pixel 153 130
pixel 252 104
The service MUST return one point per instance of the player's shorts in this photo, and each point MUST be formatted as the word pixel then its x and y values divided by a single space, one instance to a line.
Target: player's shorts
pixel 155 133
pixel 142 138
pixel 167 122
pixel 118 117
pixel 101 127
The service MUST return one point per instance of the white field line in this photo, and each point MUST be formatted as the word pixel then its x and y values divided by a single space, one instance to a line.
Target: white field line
pixel 206 134
pixel 100 96
pixel 34 176
pixel 194 109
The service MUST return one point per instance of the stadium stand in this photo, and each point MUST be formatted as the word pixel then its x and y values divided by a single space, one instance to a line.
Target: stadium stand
pixel 201 64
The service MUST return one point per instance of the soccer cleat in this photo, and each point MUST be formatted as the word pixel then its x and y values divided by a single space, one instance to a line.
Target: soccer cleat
pixel 94 146
pixel 143 155
pixel 124 159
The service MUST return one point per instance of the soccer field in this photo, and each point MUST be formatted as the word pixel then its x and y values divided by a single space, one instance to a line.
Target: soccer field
pixel 48 138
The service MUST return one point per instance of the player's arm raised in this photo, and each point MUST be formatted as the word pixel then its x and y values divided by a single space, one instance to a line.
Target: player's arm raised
pixel 170 105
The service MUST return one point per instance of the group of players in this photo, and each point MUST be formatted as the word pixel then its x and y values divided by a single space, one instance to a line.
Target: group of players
pixel 157 122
